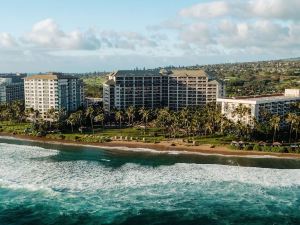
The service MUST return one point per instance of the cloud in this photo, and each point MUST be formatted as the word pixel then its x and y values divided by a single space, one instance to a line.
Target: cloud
pixel 206 10
pixel 277 9
pixel 7 41
pixel 229 27
pixel 271 9
pixel 128 40
pixel 47 34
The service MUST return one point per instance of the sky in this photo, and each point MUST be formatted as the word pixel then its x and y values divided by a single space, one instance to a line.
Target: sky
pixel 102 35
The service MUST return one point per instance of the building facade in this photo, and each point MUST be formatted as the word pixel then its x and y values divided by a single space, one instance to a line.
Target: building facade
pixel 279 104
pixel 175 89
pixel 11 88
pixel 53 90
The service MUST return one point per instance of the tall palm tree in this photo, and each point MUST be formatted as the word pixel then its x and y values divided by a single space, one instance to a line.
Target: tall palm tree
pixel 51 115
pixel 163 118
pixel 130 114
pixel 90 112
pixel 119 117
pixel 275 124
pixel 144 113
pixel 36 115
pixel 100 118
pixel 292 120
pixel 208 128
pixel 297 127
pixel 72 120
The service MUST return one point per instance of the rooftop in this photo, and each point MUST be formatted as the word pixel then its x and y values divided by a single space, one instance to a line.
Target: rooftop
pixel 163 72
pixel 49 76
pixel 259 98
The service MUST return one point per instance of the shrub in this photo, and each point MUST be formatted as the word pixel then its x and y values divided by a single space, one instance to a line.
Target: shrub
pixel 212 146
pixel 233 147
pixel 173 144
pixel 61 136
pixel 257 148
pixel 248 148
pixel 76 138
pixel 267 148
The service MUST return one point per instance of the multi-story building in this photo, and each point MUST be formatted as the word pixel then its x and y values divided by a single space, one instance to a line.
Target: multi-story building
pixel 11 88
pixel 276 104
pixel 175 89
pixel 53 90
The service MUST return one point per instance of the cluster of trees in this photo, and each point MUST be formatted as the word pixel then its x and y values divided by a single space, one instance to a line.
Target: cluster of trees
pixel 209 120
pixel 187 122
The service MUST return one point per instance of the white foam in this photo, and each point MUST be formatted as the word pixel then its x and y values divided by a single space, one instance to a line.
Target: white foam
pixel 20 168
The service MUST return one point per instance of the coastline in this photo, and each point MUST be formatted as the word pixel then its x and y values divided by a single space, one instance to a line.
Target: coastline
pixel 164 146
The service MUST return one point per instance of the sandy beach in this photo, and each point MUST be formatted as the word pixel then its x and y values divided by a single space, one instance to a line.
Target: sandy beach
pixel 162 146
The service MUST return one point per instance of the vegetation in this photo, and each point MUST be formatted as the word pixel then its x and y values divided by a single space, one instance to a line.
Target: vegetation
pixel 198 126
pixel 94 85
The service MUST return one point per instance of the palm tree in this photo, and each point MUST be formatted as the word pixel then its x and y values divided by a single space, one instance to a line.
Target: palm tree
pixel 36 115
pixel 72 120
pixel 241 111
pixel 90 112
pixel 275 124
pixel 130 114
pixel 18 110
pixel 297 126
pixel 79 114
pixel 145 115
pixel 51 115
pixel 119 117
pixel 100 118
pixel 292 120
pixel 163 118
pixel 208 128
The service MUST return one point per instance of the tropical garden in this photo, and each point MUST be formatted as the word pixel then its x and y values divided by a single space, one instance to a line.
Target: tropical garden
pixel 205 125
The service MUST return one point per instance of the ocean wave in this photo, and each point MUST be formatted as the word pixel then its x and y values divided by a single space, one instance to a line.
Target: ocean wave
pixel 19 167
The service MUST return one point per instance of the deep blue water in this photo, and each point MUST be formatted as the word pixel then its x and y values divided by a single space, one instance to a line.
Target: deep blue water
pixel 52 184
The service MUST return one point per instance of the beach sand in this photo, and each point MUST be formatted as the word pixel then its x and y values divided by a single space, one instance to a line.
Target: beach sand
pixel 162 146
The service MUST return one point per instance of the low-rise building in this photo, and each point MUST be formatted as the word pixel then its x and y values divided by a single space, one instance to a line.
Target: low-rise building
pixel 257 106
pixel 53 90
pixel 11 88
pixel 175 89
pixel 89 101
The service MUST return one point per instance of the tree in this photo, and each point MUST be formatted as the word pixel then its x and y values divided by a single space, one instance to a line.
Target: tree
pixel 100 118
pixel 90 112
pixel 51 115
pixel 72 120
pixel 119 117
pixel 144 113
pixel 292 120
pixel 163 119
pixel 130 114
pixel 275 124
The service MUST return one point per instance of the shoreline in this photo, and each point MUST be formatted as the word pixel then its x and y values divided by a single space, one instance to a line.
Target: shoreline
pixel 164 146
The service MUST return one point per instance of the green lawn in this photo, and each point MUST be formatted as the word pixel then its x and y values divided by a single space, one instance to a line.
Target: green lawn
pixel 13 127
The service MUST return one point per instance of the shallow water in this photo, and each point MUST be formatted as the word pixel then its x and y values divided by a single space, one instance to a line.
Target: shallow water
pixel 53 184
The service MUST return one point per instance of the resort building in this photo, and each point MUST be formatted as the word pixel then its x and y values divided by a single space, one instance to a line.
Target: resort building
pixel 276 104
pixel 11 88
pixel 53 90
pixel 175 89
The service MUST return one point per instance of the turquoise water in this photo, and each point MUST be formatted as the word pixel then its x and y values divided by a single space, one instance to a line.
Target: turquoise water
pixel 49 184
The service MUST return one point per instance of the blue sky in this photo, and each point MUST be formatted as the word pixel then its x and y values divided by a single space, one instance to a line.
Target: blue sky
pixel 81 36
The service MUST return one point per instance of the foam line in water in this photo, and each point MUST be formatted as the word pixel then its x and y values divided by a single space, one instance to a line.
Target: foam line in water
pixel 19 168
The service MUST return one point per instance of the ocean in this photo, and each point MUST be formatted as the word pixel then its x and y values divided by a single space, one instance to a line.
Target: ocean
pixel 55 184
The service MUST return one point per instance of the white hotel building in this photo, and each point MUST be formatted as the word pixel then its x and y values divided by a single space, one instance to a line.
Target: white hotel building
pixel 279 104
pixel 175 89
pixel 53 90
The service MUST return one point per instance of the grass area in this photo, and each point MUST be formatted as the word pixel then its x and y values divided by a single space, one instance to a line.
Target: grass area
pixel 93 86
pixel 13 127
pixel 221 140
pixel 101 135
